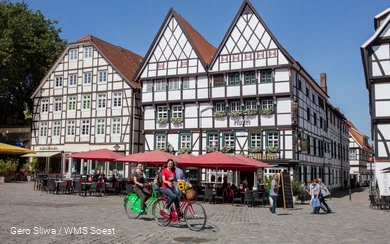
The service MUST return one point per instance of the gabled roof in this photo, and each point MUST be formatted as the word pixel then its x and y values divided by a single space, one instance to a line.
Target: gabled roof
pixel 357 135
pixel 124 61
pixel 202 47
pixel 247 6
pixel 375 36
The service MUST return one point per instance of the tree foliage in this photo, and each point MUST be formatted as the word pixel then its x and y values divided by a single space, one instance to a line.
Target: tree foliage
pixel 29 45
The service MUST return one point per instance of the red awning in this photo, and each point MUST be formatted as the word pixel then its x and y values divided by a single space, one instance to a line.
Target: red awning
pixel 155 158
pixel 255 162
pixel 218 160
pixel 100 154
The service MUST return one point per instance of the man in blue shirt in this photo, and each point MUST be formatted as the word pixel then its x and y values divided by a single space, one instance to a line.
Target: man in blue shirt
pixel 274 194
pixel 180 177
pixel 324 190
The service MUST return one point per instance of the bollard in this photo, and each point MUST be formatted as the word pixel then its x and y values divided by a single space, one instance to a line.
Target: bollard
pixel 330 195
pixel 350 194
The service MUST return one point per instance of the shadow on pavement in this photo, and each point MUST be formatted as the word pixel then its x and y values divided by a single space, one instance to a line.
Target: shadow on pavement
pixel 345 193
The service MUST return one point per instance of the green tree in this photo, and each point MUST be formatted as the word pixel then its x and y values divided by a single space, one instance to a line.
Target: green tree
pixel 29 45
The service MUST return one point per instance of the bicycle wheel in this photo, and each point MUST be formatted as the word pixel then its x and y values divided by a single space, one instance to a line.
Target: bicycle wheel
pixel 158 206
pixel 195 216
pixel 129 212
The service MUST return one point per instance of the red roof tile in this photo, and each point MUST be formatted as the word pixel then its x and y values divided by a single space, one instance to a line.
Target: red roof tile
pixel 125 61
pixel 357 135
pixel 205 49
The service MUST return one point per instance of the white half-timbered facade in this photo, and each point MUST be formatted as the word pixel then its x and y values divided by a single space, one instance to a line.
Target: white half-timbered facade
pixel 376 62
pixel 88 101
pixel 248 97
pixel 359 153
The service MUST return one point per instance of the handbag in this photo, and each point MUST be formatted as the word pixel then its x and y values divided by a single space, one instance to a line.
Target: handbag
pixel 325 193
pixel 316 203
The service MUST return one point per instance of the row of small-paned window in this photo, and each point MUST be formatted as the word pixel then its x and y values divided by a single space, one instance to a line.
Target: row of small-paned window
pixel 251 104
pixel 352 154
pixel 308 116
pixel 74 53
pixel 229 140
pixel 176 111
pixel 100 127
pixel 86 78
pixel 85 102
pixel 248 78
pixel 320 103
pixel 161 85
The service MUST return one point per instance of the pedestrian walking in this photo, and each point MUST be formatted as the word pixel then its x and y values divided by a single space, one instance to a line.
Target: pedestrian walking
pixel 324 192
pixel 274 194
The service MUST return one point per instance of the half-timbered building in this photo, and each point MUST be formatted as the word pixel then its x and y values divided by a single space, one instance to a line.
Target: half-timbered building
pixel 87 101
pixel 376 63
pixel 249 97
pixel 359 152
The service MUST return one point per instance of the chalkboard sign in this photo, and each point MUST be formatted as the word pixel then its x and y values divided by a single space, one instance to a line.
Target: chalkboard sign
pixel 287 190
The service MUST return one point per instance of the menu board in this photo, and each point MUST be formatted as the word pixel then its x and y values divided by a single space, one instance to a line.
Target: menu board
pixel 287 190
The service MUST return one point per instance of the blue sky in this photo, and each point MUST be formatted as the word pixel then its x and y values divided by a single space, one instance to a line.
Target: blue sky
pixel 324 36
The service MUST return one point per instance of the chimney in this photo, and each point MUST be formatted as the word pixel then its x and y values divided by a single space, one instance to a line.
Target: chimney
pixel 323 83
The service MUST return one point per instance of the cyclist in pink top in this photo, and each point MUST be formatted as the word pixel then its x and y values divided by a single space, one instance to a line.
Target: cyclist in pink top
pixel 168 178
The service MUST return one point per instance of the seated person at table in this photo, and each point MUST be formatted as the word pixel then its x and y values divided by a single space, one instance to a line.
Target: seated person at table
pixel 90 178
pixel 139 186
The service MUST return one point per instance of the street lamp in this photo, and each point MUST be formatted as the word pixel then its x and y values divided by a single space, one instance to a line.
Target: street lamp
pixel 370 159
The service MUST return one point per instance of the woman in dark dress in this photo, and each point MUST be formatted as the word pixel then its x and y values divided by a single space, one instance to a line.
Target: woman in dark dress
pixel 139 186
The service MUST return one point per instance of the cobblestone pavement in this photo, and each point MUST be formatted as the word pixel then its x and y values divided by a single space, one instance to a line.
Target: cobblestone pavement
pixel 23 208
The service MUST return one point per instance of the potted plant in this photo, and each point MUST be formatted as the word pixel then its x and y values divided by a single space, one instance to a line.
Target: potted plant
pixel 271 149
pixel 211 149
pixel 6 169
pixel 298 190
pixel 176 120
pixel 254 149
pixel 250 112
pixel 227 149
pixel 184 150
pixel 219 114
pixel 235 113
pixel 31 167
pixel 162 121
pixel 267 111
pixel 160 149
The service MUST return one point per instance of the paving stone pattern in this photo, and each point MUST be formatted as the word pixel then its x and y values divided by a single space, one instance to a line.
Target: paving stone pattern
pixel 23 208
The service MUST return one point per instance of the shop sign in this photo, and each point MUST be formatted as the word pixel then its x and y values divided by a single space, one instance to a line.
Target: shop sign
pixel 242 122
pixel 48 148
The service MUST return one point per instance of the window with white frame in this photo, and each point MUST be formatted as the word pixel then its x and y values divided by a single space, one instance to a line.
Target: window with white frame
pixel 161 141
pixel 213 140
pixel 273 139
pixel 186 83
pixel 173 84
pixel 43 129
pixel 117 99
pixel 229 140
pixel 177 111
pixel 251 104
pixel 162 112
pixel 100 127
pixel 235 106
pixel 234 79
pixel 86 101
pixel 352 154
pixel 58 81
pixel 71 103
pixel 255 139
pixel 71 128
pixel 159 85
pixel 267 104
pixel 73 54
pixel 102 100
pixel 87 78
pixel 72 80
pixel 116 126
pixel 185 141
pixel 266 76
pixel 57 104
pixel 87 52
pixel 220 107
pixel 56 128
pixel 44 105
pixel 147 86
pixel 85 127
pixel 103 76
pixel 250 78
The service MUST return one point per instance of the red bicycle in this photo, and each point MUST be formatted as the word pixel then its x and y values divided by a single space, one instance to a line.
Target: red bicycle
pixel 192 212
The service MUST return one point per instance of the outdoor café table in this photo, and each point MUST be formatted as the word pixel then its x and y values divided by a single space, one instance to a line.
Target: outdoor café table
pixel 87 185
